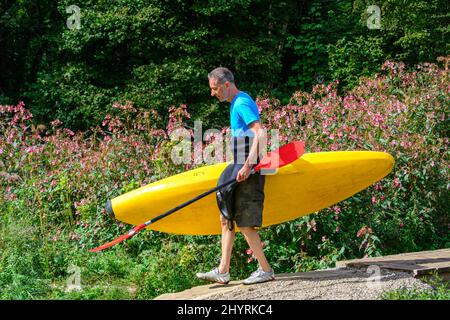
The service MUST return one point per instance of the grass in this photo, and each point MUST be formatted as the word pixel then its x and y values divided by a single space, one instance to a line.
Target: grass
pixel 440 290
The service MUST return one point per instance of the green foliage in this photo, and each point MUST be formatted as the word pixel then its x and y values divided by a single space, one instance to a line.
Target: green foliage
pixel 154 53
pixel 349 59
pixel 157 53
pixel 334 42
pixel 440 290
pixel 178 257
pixel 398 112
pixel 323 23
pixel 27 31
pixel 414 31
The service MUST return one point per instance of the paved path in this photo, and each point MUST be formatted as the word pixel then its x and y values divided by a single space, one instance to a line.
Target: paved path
pixel 360 279
pixel 333 284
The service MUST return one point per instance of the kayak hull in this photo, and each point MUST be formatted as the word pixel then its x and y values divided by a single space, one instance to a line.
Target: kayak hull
pixel 313 182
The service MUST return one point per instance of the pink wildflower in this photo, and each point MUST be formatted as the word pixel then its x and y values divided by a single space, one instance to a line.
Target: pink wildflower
pixel 363 231
pixel 56 123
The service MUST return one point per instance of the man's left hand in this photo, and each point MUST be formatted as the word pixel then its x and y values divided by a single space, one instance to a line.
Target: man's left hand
pixel 243 173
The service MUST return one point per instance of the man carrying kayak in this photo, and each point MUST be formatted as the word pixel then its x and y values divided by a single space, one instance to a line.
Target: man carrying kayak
pixel 248 196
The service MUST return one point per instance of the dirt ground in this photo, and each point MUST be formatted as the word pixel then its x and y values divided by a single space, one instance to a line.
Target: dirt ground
pixel 335 284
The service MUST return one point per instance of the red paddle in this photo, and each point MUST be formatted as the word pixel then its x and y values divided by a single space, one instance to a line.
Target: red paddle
pixel 272 161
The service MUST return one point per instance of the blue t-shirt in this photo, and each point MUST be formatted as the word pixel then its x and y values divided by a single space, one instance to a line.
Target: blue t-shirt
pixel 243 112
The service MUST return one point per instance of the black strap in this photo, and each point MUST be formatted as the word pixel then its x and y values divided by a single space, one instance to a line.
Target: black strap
pixel 225 195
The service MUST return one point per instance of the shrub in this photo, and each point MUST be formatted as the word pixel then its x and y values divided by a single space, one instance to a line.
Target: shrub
pixel 399 112
pixel 440 290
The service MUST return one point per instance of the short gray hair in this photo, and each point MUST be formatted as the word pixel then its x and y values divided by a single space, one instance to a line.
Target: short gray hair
pixel 222 75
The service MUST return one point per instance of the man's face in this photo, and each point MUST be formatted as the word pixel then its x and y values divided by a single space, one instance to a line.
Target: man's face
pixel 220 91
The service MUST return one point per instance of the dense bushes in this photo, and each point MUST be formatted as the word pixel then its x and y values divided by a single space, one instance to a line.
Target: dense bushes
pixel 54 182
pixel 402 113
pixel 157 53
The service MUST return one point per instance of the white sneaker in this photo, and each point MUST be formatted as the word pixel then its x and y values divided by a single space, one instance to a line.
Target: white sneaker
pixel 215 276
pixel 260 276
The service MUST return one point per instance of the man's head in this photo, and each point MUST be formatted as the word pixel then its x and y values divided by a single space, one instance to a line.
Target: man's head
pixel 221 82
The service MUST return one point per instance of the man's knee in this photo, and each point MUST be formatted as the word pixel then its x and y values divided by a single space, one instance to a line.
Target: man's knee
pixel 247 230
pixel 223 221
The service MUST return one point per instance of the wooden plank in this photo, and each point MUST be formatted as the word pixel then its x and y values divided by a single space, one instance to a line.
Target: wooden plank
pixel 418 263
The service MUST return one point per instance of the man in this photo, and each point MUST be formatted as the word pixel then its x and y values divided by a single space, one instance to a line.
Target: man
pixel 248 197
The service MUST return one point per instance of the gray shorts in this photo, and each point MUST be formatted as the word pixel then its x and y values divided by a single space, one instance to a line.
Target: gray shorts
pixel 248 201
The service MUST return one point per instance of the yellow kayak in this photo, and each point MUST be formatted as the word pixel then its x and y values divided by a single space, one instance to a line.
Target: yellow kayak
pixel 311 183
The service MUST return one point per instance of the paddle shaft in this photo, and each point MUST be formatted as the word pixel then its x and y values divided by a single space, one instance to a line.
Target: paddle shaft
pixel 287 153
pixel 185 204
pixel 135 230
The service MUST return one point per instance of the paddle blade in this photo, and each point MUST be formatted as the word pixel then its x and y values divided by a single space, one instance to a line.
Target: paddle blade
pixel 281 157
pixel 131 233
